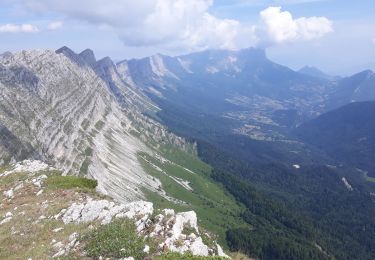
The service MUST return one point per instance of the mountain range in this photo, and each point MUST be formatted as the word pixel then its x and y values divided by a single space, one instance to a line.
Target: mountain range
pixel 242 93
pixel 264 154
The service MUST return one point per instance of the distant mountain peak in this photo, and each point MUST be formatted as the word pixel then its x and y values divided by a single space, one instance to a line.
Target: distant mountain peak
pixel 88 56
pixel 106 62
pixel 314 72
pixel 65 50
pixel 69 53
pixel 366 73
pixel 360 76
pixel 85 58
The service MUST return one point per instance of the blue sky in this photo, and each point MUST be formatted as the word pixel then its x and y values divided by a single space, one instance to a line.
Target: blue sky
pixel 336 36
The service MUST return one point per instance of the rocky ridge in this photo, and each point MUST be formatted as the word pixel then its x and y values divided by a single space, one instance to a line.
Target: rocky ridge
pixel 80 115
pixel 59 217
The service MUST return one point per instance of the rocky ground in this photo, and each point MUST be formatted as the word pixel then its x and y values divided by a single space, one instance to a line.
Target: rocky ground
pixel 46 215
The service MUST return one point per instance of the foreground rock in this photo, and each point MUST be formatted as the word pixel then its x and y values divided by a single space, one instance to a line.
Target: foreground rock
pixel 37 206
pixel 178 232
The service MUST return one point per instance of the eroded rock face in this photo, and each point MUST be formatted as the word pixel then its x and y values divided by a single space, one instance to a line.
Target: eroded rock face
pixel 78 114
pixel 178 232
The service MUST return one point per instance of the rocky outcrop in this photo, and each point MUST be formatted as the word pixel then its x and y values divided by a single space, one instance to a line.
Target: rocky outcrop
pixel 177 232
pixel 180 233
pixel 105 211
pixel 30 166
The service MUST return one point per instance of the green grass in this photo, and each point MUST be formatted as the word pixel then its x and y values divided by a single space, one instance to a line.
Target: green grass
pixel 368 178
pixel 70 182
pixel 177 256
pixel 85 166
pixel 187 159
pixel 162 203
pixel 115 240
pixel 216 209
pixel 13 178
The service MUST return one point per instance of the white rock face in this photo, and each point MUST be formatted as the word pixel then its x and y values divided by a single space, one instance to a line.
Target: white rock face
pixel 296 166
pixel 9 194
pixel 158 67
pixel 30 166
pixel 184 219
pixel 79 115
pixel 171 226
pixel 220 251
pixel 104 211
pixel 6 220
pixel 9 214
pixel 347 184
pixel 199 248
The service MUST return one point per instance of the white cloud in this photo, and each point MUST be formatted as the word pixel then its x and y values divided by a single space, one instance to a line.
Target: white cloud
pixel 16 28
pixel 279 26
pixel 171 23
pixel 182 24
pixel 55 26
pixel 295 2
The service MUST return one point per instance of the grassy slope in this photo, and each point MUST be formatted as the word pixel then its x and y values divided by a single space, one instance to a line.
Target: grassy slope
pixel 216 209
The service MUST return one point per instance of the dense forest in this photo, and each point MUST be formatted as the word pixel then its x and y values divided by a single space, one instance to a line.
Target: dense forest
pixel 304 213
pixel 349 134
pixel 296 217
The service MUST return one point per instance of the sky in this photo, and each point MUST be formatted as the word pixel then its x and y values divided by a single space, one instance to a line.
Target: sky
pixel 337 36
